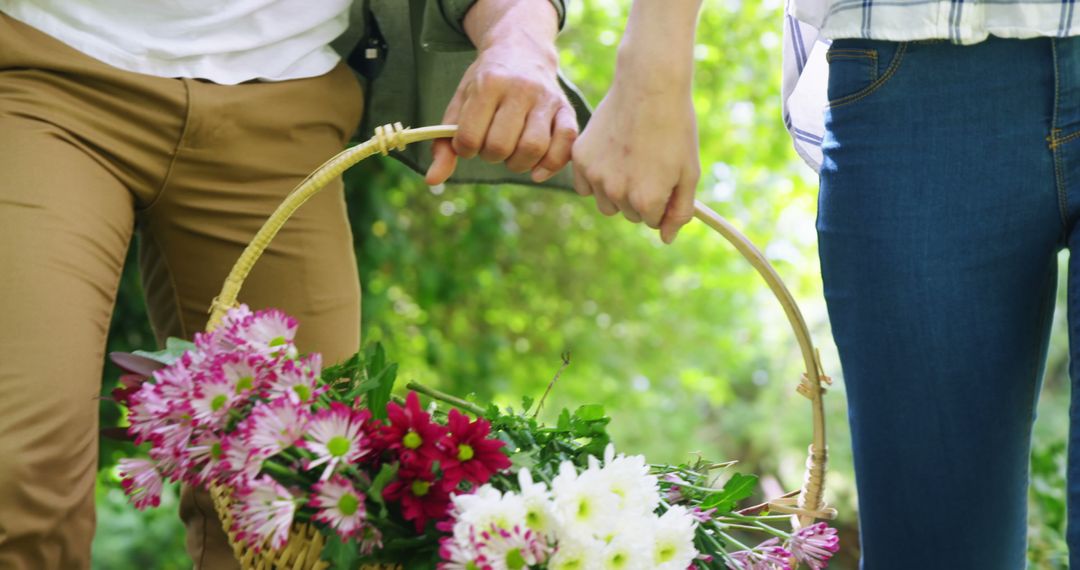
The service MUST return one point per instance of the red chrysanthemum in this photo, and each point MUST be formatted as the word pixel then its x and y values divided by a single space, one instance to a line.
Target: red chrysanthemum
pixel 413 436
pixel 422 498
pixel 474 456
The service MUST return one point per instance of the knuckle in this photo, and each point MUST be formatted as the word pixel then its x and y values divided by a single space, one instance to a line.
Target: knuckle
pixel 497 151
pixel 614 190
pixel 468 141
pixel 566 132
pixel 533 149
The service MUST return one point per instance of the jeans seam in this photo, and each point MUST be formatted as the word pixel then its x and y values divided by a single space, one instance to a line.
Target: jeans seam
pixel 877 84
pixel 1055 144
pixel 1059 178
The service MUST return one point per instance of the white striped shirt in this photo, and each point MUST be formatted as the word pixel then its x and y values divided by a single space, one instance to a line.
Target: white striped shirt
pixel 810 25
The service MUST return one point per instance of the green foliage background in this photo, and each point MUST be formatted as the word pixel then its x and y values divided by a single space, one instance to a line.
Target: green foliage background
pixel 479 290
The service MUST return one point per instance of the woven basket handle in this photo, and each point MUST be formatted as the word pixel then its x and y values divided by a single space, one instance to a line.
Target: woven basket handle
pixel 807 507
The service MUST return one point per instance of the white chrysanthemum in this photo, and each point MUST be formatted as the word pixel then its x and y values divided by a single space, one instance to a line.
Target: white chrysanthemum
pixel 629 478
pixel 484 508
pixel 674 540
pixel 629 547
pixel 539 512
pixel 582 553
pixel 583 503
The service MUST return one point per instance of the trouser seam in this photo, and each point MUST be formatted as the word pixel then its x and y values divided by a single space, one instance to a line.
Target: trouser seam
pixel 176 149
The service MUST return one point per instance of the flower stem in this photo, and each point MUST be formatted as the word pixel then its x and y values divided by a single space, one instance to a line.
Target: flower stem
pixel 731 540
pixel 282 471
pixel 446 398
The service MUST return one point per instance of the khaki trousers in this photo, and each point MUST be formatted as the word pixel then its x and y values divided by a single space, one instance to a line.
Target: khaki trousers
pixel 89 155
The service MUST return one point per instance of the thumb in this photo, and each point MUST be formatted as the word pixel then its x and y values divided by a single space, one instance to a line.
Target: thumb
pixel 680 210
pixel 443 163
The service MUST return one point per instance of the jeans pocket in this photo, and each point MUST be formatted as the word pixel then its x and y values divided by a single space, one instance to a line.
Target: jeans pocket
pixel 858 68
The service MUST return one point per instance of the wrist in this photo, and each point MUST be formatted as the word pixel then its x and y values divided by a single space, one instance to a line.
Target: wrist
pixel 492 23
pixel 656 71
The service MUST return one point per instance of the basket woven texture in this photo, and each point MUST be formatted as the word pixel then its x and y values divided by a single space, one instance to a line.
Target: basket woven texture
pixel 304 547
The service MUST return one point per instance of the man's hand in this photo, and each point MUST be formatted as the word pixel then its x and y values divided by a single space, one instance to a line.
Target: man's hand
pixel 509 106
pixel 639 154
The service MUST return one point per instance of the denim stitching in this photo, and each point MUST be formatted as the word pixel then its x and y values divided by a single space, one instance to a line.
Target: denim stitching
pixel 877 84
pixel 1055 142
pixel 850 53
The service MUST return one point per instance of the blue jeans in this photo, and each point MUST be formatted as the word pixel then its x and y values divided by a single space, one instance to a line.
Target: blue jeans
pixel 951 180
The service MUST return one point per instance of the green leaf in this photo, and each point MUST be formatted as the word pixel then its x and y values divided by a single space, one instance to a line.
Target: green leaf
pixel 564 420
pixel 526 403
pixel 590 413
pixel 381 480
pixel 174 349
pixel 379 396
pixel 339 553
pixel 737 488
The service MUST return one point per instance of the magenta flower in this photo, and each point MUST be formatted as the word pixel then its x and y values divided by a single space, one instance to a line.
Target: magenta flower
pixel 422 498
pixel 472 455
pixel 336 436
pixel 413 435
pixel 262 513
pixel 340 506
pixel 815 545
pixel 141 482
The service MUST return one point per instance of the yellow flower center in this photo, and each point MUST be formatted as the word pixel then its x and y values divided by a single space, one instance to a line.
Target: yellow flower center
pixel 412 440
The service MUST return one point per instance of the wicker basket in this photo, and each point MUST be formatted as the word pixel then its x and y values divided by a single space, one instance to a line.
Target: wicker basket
pixel 304 546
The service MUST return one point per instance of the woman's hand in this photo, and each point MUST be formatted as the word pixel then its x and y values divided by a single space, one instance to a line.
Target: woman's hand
pixel 509 106
pixel 639 153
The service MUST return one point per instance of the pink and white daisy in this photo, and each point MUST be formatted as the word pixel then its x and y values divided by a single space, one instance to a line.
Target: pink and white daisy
pixel 205 457
pixel 218 340
pixel 262 513
pixel 504 549
pixel 211 401
pixel 170 448
pixel 141 482
pixel 270 332
pixel 459 553
pixel 274 426
pixel 336 435
pixel 240 462
pixel 245 373
pixel 814 545
pixel 298 380
pixel 340 506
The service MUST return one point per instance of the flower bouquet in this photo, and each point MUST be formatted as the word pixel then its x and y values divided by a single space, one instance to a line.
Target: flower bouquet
pixel 451 485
